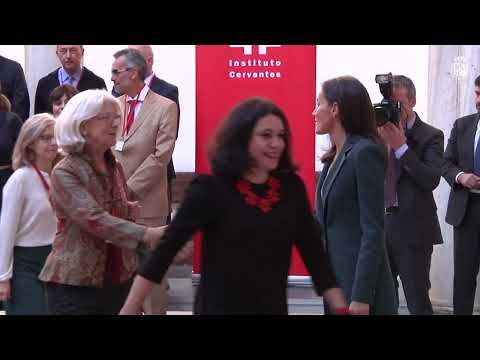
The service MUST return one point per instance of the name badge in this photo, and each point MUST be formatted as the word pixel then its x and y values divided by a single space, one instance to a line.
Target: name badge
pixel 119 145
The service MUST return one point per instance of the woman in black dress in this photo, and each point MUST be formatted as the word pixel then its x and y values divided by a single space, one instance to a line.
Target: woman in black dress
pixel 251 211
pixel 10 125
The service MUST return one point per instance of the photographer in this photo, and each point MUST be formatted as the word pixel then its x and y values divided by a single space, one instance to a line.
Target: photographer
pixel 414 170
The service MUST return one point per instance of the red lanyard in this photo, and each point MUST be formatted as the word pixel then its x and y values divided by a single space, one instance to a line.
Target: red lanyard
pixel 42 179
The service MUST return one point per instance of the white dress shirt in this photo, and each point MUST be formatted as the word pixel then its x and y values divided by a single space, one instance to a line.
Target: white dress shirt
pixel 65 78
pixel 403 149
pixel 27 217
pixel 141 99
pixel 149 78
pixel 477 135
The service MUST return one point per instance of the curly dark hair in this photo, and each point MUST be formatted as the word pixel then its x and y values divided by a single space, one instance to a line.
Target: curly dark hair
pixel 228 153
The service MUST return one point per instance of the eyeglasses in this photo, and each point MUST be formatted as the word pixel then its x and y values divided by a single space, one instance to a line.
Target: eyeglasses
pixel 73 51
pixel 46 138
pixel 116 72
pixel 108 116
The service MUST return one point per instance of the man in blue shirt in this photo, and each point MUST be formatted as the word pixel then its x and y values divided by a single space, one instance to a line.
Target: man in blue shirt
pixel 71 72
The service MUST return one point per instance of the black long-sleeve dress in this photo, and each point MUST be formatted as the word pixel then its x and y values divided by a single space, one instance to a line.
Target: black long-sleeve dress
pixel 10 125
pixel 245 252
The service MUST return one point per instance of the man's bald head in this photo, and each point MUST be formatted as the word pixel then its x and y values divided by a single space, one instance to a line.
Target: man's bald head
pixel 147 53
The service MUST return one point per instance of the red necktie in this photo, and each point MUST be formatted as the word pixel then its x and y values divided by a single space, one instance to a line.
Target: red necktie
pixel 131 114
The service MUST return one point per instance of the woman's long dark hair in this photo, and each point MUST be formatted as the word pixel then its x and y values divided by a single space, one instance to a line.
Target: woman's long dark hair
pixel 228 152
pixel 355 108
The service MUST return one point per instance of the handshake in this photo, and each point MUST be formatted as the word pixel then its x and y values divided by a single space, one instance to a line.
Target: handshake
pixel 153 236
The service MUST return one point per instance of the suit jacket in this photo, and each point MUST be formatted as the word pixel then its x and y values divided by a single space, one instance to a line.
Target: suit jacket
pixel 10 125
pixel 416 221
pixel 46 84
pixel 170 91
pixel 14 87
pixel 146 152
pixel 351 213
pixel 83 200
pixel 459 157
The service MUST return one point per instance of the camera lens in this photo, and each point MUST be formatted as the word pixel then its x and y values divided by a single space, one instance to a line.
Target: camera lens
pixel 381 115
pixel 382 78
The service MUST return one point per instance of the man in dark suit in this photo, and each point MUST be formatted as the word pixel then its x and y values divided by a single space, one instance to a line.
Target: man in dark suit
pixel 411 221
pixel 71 72
pixel 462 171
pixel 14 87
pixel 160 87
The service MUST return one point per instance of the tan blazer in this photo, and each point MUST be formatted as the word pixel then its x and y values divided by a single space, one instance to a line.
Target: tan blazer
pixel 147 149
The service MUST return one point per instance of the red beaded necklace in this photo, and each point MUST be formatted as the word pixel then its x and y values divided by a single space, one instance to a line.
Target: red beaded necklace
pixel 263 203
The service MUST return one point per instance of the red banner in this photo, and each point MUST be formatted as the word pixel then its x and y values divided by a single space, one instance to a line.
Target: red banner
pixel 228 74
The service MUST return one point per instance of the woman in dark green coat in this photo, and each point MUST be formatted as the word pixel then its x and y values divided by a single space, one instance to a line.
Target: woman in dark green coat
pixel 350 196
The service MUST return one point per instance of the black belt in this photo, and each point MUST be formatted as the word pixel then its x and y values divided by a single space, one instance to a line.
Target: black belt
pixel 391 210
pixel 474 196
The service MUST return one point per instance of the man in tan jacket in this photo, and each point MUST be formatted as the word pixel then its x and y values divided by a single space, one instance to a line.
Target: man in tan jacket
pixel 144 148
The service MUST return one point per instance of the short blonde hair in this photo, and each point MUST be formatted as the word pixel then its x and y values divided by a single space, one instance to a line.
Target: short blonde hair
pixel 30 132
pixel 82 107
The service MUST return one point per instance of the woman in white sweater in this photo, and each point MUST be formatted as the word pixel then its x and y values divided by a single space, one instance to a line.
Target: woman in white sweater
pixel 28 223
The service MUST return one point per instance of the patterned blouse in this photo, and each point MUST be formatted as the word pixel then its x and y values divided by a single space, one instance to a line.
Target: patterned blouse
pixel 84 201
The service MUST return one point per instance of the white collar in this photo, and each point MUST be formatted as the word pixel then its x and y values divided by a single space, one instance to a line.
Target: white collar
pixel 411 122
pixel 149 78
pixel 141 97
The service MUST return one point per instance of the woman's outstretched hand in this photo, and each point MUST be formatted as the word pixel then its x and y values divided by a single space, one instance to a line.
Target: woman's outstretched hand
pixel 153 236
pixel 359 308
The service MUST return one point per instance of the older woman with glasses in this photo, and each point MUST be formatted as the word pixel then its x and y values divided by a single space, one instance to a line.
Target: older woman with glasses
pixel 93 259
pixel 28 223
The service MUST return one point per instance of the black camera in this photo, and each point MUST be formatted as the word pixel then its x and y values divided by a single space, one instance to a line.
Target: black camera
pixel 387 109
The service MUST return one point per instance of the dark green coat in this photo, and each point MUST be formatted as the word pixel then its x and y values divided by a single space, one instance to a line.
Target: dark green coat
pixel 350 208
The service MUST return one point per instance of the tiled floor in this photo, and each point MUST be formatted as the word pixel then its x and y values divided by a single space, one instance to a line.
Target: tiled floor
pixel 302 300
